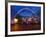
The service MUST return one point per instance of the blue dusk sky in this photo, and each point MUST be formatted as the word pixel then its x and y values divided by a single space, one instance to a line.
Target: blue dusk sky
pixel 25 10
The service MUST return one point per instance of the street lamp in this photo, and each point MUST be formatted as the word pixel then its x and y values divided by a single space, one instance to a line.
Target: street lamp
pixel 15 20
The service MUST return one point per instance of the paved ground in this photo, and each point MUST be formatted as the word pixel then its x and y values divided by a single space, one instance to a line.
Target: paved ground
pixel 25 27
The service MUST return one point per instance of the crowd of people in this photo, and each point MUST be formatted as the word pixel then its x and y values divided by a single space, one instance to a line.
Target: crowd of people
pixel 27 20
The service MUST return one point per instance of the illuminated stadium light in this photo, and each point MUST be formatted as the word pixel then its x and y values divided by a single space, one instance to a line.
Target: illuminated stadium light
pixel 15 20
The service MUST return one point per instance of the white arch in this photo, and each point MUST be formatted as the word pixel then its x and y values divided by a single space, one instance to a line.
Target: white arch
pixel 24 9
